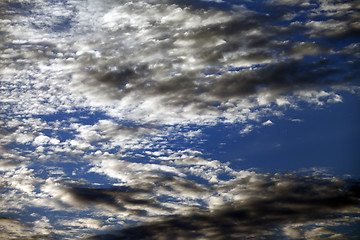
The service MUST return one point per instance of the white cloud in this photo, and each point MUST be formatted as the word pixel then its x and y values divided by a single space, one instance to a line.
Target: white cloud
pixel 11 227
pixel 153 30
pixel 293 232
pixel 247 129
pixel 129 172
pixel 83 223
pixel 22 179
pixel 320 232
pixel 268 123
pixel 41 140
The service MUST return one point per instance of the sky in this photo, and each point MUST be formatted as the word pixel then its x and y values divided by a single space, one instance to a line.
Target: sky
pixel 170 119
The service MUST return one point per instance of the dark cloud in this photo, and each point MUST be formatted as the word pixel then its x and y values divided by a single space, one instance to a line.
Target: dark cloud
pixel 120 199
pixel 280 78
pixel 14 229
pixel 139 198
pixel 120 77
pixel 269 206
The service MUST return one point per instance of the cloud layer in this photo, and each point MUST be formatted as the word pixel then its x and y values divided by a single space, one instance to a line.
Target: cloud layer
pixel 265 208
pixel 194 61
pixel 104 107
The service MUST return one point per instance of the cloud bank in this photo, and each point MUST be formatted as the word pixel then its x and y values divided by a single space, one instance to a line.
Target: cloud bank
pixel 265 207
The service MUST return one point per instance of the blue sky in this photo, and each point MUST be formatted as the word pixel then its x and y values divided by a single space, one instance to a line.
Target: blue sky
pixel 325 138
pixel 170 119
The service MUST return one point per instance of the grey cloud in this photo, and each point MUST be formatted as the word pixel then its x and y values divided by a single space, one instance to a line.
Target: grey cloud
pixel 282 77
pixel 185 54
pixel 244 53
pixel 302 49
pixel 274 204
pixel 120 77
pixel 141 198
pixel 334 29
pixel 120 199
pixel 277 79
pixel 13 229
pixel 7 164
pixel 21 55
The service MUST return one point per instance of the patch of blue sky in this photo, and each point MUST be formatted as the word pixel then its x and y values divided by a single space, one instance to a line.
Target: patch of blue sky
pixel 352 230
pixel 59 168
pixel 338 43
pixel 84 116
pixel 325 138
pixel 180 141
pixel 231 68
pixel 23 8
pixel 206 4
pixel 62 24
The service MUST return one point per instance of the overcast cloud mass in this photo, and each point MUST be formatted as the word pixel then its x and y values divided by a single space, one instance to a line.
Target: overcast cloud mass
pixel 106 106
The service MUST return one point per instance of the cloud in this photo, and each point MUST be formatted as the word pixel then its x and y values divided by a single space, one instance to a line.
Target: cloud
pixel 168 62
pixel 279 201
pixel 190 68
pixel 22 179
pixel 245 204
pixel 268 123
pixel 14 229
pixel 140 200
pixel 127 171
pixel 104 104
pixel 83 223
pixel 247 129
pixel 121 199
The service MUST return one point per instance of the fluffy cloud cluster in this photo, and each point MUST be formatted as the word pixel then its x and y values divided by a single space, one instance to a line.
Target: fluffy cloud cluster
pixel 170 62
pixel 176 62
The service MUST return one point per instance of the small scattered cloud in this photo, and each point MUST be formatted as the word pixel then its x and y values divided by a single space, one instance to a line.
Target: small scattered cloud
pixel 296 120
pixel 247 129
pixel 268 123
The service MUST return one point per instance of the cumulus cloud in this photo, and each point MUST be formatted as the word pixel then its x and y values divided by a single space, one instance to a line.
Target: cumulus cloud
pixel 15 229
pixel 190 66
pixel 195 62
pixel 129 171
